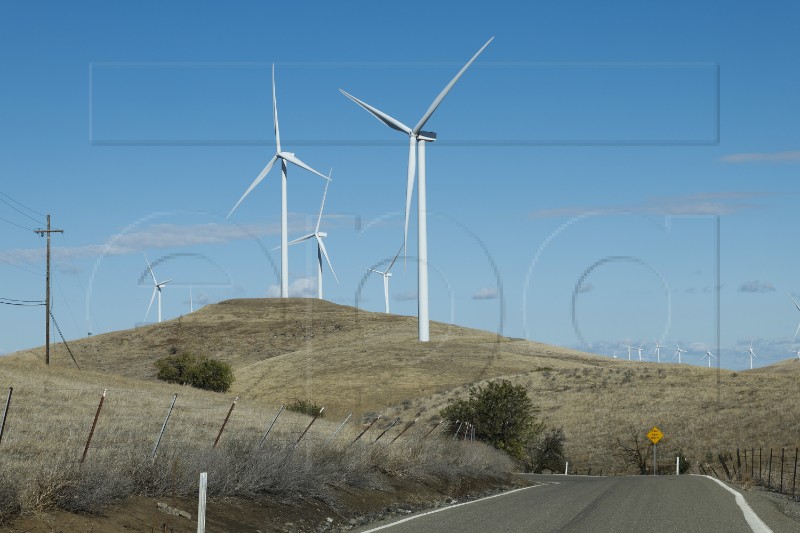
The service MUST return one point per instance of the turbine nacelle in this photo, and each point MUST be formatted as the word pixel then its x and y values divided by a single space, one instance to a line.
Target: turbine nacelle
pixel 427 136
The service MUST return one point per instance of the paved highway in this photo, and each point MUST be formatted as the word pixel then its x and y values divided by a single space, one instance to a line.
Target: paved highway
pixel 596 504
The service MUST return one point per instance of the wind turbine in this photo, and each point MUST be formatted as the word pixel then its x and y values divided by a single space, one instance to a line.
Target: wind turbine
pixel 283 157
pixel 386 275
pixel 658 352
pixel 156 289
pixel 629 350
pixel 321 251
pixel 798 308
pixel 797 352
pixel 709 355
pixel 416 145
pixel 752 354
pixel 678 353
pixel 639 349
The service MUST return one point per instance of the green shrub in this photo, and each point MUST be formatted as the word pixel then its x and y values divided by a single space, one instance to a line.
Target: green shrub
pixel 200 372
pixel 546 452
pixel 307 407
pixel 502 414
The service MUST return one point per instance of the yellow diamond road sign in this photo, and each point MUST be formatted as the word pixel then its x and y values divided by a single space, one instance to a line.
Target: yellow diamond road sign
pixel 655 435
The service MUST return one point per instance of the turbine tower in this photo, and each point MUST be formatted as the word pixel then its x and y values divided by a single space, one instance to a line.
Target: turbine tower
pixel 284 157
pixel 386 275
pixel 416 149
pixel 709 355
pixel 678 353
pixel 156 289
pixel 639 349
pixel 752 354
pixel 629 350
pixel 797 352
pixel 321 251
pixel 658 352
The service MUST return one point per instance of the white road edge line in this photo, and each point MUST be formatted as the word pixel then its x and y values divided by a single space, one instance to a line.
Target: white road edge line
pixel 755 523
pixel 451 507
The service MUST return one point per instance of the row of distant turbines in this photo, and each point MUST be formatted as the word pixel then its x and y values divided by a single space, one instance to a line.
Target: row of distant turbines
pixel 680 351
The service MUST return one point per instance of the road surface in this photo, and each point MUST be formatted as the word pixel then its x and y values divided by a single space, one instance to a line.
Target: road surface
pixel 599 505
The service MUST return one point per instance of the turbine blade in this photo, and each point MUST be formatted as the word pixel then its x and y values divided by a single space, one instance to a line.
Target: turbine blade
pixel 795 302
pixel 150 268
pixel 325 254
pixel 412 167
pixel 373 270
pixel 446 90
pixel 292 159
pixel 275 112
pixel 395 259
pixel 797 331
pixel 253 185
pixel 380 115
pixel 153 297
pixel 321 207
pixel 299 239
pixel 164 283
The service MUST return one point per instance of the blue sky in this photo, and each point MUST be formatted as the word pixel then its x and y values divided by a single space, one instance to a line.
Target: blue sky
pixel 574 191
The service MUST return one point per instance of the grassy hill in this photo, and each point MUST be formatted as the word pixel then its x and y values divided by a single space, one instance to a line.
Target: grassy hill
pixel 352 360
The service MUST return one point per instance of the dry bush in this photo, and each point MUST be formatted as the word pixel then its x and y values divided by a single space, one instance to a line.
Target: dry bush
pixel 10 505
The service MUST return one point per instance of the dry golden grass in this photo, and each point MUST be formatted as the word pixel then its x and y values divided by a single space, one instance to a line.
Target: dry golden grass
pixel 351 360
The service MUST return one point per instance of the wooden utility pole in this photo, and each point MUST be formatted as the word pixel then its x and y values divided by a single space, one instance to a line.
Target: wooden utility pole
pixel 41 233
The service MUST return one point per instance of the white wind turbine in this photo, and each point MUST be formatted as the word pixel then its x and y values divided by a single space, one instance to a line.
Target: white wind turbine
pixel 321 251
pixel 283 157
pixel 678 353
pixel 709 355
pixel 386 275
pixel 797 352
pixel 629 350
pixel 156 289
pixel 417 139
pixel 639 349
pixel 798 308
pixel 752 354
pixel 658 352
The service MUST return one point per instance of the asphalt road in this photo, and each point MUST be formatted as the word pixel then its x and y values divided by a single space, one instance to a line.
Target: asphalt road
pixel 595 504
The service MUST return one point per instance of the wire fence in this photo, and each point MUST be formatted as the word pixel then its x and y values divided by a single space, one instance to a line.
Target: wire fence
pixel 775 469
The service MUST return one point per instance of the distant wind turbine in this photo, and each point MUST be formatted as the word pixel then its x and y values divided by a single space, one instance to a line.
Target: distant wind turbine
pixel 678 353
pixel 798 308
pixel 321 251
pixel 386 275
pixel 283 157
pixel 752 354
pixel 709 355
pixel 629 350
pixel 797 352
pixel 658 352
pixel 639 349
pixel 417 139
pixel 156 289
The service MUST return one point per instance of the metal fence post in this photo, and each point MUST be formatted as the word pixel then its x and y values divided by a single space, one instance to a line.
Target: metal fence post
pixel 164 426
pixel 396 420
pixel 769 474
pixel 781 487
pixel 94 424
pixel 225 422
pixel 5 413
pixel 260 444
pixel 365 430
pixel 337 429
pixel 794 474
pixel 404 430
pixel 201 503
pixel 431 431
pixel 308 427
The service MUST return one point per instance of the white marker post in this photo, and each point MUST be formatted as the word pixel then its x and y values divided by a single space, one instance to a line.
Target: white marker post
pixel 201 503
pixel 566 468
pixel 678 465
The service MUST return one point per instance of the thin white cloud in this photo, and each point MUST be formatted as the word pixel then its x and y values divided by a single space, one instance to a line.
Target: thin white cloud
pixel 756 286
pixel 299 288
pixel 585 287
pixel 406 296
pixel 713 203
pixel 486 293
pixel 765 157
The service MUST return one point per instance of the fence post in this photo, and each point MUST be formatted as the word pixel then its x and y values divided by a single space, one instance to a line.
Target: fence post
pixel 752 463
pixel 308 427
pixel 337 429
pixel 678 465
pixel 260 444
pixel 781 488
pixel 760 474
pixel 94 424
pixel 367 429
pixel 455 435
pixel 164 426
pixel 5 413
pixel 404 430
pixel 769 472
pixel 431 431
pixel 201 503
pixel 739 460
pixel 724 466
pixel 566 468
pixel 225 422
pixel 794 474
pixel 745 462
pixel 396 420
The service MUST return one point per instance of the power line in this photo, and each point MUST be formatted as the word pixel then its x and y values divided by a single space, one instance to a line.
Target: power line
pixel 15 224
pixel 21 301
pixel 21 205
pixel 63 339
pixel 20 267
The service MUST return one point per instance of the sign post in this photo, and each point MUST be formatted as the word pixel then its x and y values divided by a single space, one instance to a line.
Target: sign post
pixel 654 435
